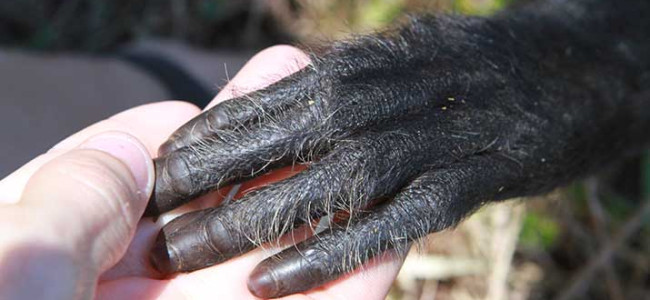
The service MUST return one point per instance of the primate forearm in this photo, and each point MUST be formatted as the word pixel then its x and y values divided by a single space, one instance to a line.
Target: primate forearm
pixel 582 66
pixel 590 62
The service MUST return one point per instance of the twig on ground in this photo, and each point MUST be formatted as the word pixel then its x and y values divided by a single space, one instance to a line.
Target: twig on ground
pixel 600 221
pixel 584 276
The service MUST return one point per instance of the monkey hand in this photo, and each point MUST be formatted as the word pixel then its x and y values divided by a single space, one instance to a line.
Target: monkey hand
pixel 403 133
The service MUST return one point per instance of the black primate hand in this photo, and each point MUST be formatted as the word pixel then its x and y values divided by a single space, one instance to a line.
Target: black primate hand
pixel 433 119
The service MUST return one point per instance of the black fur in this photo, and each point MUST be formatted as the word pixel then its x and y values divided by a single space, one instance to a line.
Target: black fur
pixel 441 115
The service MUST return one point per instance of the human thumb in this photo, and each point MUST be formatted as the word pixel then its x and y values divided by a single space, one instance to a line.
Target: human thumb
pixel 78 215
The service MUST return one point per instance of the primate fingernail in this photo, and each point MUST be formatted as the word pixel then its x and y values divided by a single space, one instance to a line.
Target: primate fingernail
pixel 173 185
pixel 170 145
pixel 180 245
pixel 194 241
pixel 215 119
pixel 262 284
pixel 201 126
pixel 161 257
pixel 291 271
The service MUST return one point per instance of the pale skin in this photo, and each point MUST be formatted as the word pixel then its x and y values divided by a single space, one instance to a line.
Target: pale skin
pixel 69 218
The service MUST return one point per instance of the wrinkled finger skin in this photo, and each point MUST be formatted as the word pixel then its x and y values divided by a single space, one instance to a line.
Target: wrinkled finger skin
pixel 434 118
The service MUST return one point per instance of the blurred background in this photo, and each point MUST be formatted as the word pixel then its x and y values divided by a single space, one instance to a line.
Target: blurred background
pixel 65 64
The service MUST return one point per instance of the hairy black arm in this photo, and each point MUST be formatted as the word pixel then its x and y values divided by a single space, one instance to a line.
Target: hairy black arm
pixel 436 117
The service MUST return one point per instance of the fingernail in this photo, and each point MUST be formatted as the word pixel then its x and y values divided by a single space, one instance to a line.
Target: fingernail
pixel 130 151
pixel 291 271
pixel 162 257
pixel 262 284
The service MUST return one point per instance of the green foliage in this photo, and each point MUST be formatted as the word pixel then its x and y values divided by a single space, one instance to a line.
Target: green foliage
pixel 577 194
pixel 379 13
pixel 539 231
pixel 479 7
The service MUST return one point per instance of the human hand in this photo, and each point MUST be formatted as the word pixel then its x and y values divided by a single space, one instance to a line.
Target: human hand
pixel 132 277
pixel 74 219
